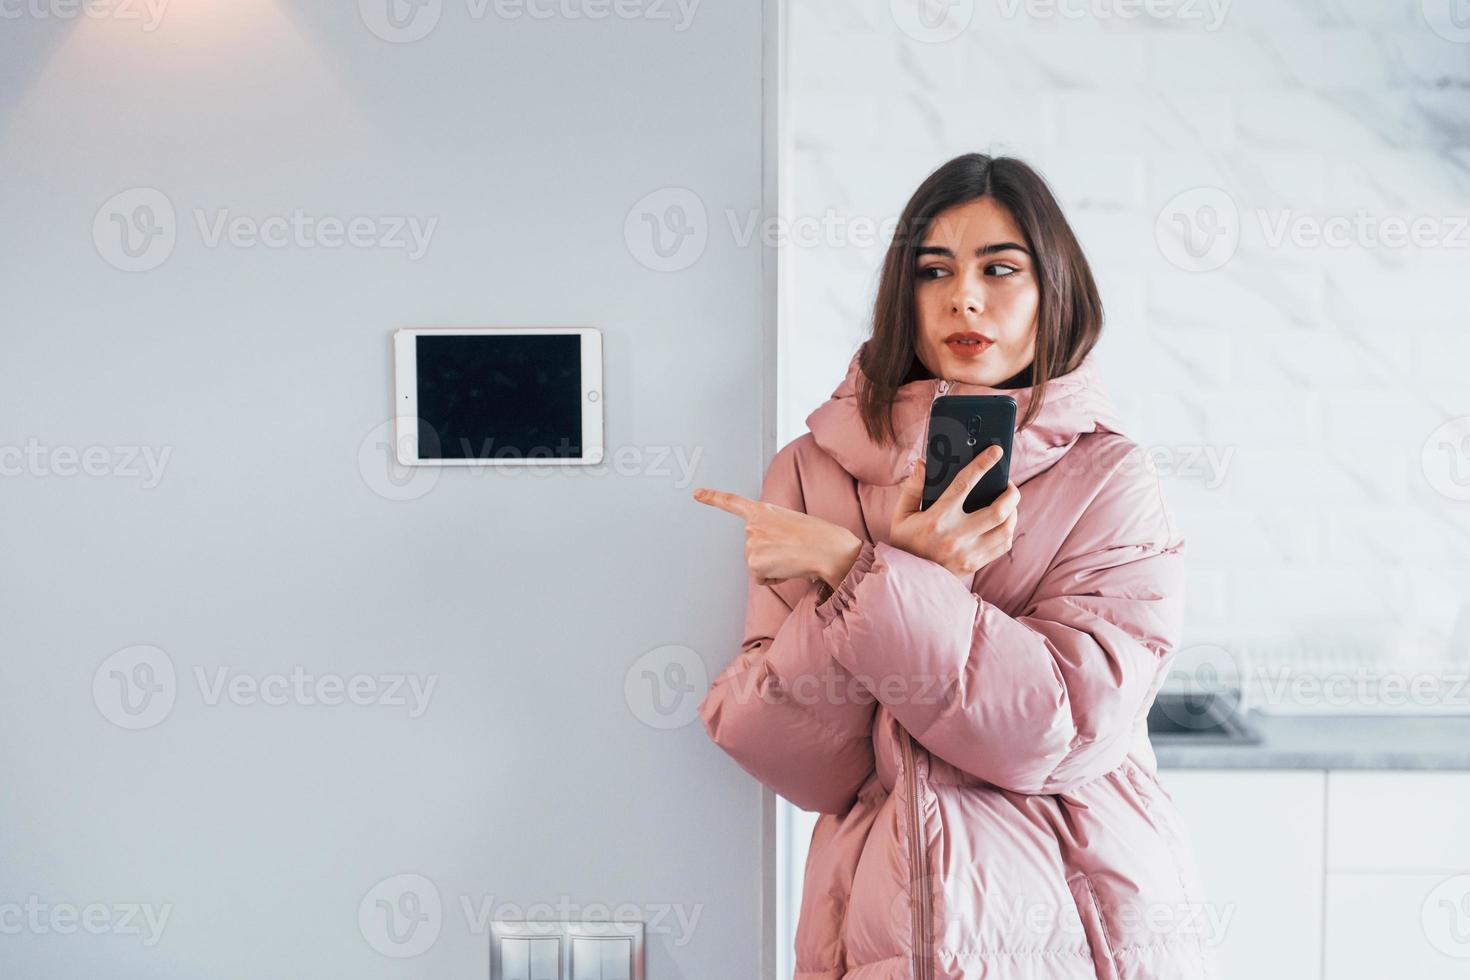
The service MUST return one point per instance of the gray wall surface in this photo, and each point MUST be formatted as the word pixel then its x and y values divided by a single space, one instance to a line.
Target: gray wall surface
pixel 201 541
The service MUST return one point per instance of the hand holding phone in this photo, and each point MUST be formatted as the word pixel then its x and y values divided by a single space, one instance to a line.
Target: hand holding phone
pixel 946 530
pixel 961 427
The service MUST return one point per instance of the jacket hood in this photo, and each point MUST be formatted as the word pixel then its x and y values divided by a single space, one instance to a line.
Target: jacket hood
pixel 1074 404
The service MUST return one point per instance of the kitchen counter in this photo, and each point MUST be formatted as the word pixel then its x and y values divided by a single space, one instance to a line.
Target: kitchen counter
pixel 1332 742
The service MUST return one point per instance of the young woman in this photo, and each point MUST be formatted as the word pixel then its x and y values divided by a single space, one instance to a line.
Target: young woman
pixel 963 696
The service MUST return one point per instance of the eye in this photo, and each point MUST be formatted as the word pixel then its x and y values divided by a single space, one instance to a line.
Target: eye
pixel 932 271
pixel 1001 269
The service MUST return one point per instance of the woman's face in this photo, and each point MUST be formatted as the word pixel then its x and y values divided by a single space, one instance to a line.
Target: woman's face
pixel 976 281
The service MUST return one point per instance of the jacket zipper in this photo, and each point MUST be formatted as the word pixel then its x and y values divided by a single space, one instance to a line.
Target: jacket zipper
pixel 916 858
pixel 920 886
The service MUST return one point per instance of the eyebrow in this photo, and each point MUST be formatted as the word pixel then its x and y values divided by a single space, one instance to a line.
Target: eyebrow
pixel 980 253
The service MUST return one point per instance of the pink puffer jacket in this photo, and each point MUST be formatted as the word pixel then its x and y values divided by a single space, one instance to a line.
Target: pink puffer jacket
pixel 979 754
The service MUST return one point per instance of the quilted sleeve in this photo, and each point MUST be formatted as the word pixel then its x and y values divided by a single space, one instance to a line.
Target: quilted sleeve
pixel 783 709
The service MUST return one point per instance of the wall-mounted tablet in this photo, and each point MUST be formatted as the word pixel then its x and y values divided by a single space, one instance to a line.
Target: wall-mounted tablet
pixel 498 396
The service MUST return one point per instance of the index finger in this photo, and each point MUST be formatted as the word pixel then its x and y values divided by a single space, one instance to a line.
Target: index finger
pixel 742 507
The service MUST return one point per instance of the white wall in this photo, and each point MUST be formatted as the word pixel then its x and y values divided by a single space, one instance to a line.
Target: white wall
pixel 270 541
pixel 1317 378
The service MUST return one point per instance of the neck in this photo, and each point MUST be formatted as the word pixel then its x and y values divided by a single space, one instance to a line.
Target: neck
pixel 1021 379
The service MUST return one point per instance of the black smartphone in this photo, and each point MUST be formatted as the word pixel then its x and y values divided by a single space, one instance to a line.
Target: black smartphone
pixel 962 427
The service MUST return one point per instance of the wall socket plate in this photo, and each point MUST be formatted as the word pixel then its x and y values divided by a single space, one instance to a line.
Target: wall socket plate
pixel 534 949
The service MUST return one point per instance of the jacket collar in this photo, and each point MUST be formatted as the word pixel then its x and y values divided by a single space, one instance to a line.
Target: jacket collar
pixel 1074 404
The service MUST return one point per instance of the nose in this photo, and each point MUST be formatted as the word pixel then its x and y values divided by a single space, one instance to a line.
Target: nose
pixel 967 299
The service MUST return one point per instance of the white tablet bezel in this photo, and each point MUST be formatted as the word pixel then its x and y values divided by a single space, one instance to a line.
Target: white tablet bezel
pixel 406 395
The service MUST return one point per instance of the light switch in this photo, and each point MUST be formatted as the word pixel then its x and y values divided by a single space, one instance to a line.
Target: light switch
pixel 602 959
pixel 530 958
pixel 590 950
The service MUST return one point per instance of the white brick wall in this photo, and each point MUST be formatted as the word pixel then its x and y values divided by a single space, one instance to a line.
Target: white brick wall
pixel 1315 372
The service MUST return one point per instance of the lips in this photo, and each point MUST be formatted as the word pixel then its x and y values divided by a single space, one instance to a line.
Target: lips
pixel 968 343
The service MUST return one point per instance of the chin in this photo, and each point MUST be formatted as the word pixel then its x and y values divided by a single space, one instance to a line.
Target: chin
pixel 984 375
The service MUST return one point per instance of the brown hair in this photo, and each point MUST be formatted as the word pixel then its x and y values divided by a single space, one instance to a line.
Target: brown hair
pixel 1069 317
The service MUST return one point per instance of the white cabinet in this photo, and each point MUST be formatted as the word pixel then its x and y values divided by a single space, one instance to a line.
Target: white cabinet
pixel 1342 875
pixel 1398 875
pixel 1398 821
pixel 1391 926
pixel 1258 840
